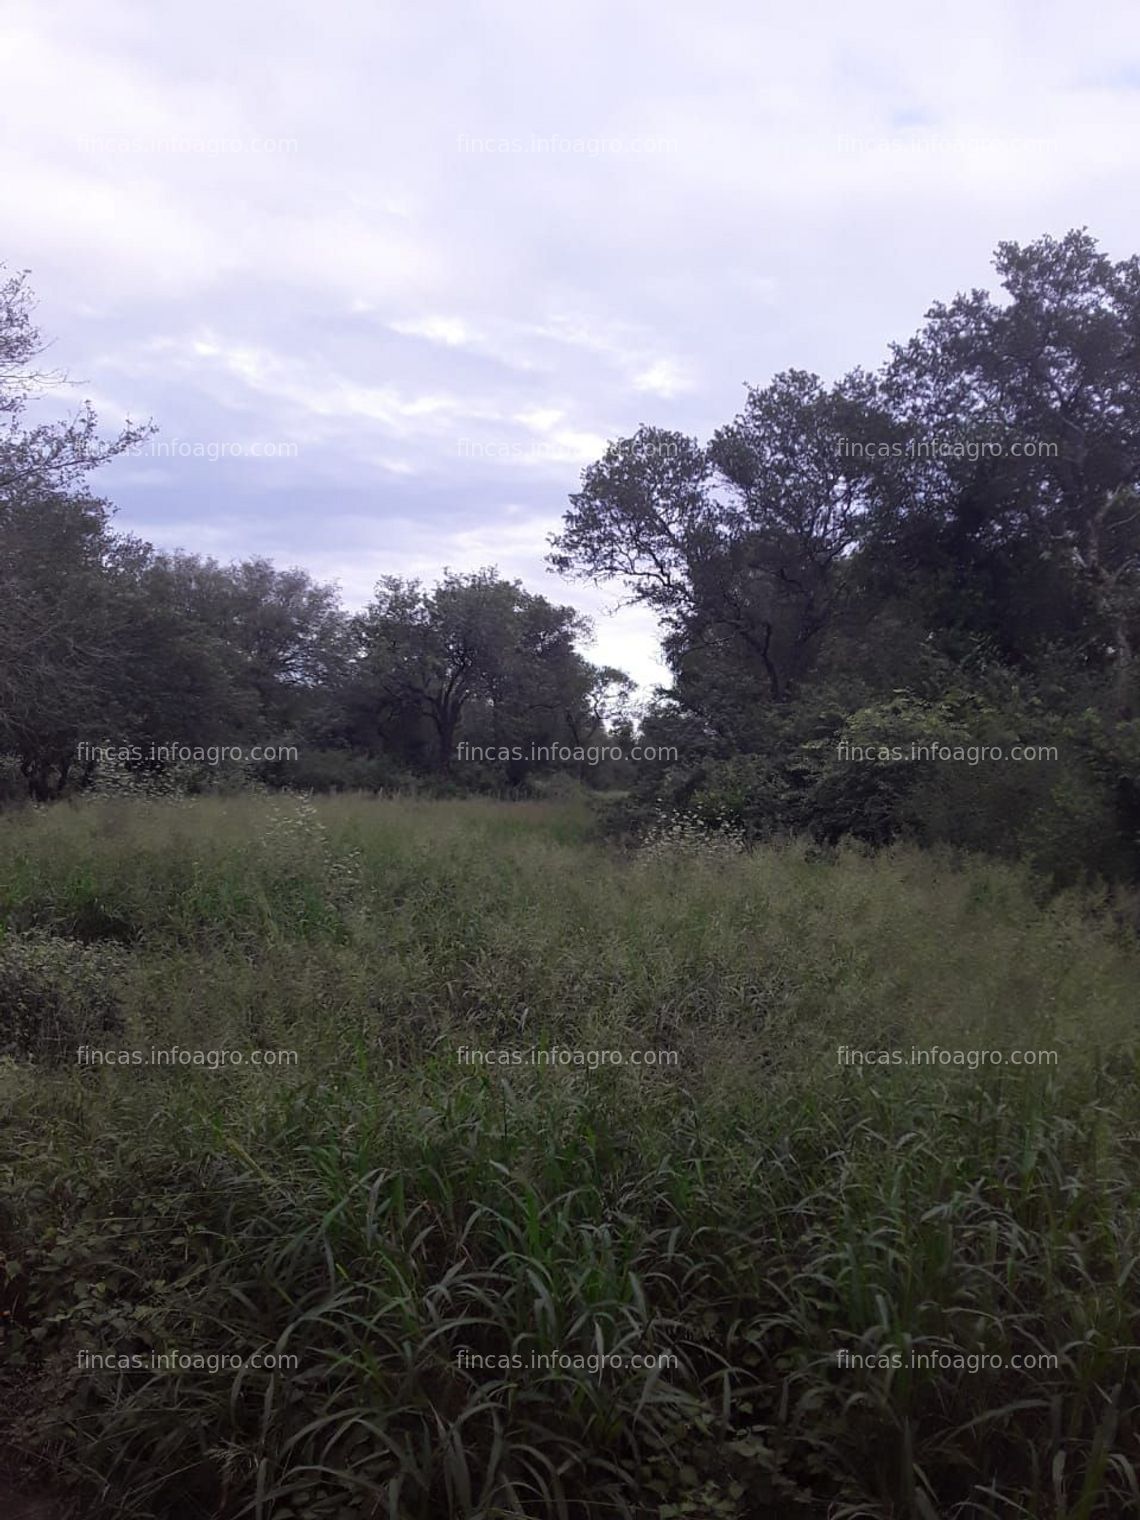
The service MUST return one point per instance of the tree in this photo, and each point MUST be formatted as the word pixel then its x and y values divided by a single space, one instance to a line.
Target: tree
pixel 737 546
pixel 480 651
pixel 52 457
pixel 60 627
pixel 795 510
pixel 59 620
pixel 1052 377
pixel 965 520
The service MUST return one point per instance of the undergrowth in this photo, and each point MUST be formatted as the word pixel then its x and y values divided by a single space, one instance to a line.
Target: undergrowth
pixel 413 1227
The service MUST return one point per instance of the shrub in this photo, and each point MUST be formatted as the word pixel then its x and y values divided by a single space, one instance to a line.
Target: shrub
pixel 55 994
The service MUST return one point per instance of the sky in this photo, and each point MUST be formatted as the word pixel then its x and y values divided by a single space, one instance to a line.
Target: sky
pixel 388 276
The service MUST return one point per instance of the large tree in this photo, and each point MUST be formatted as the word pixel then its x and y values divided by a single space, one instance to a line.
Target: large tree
pixel 961 526
pixel 1046 385
pixel 60 631
pixel 59 620
pixel 737 546
pixel 472 644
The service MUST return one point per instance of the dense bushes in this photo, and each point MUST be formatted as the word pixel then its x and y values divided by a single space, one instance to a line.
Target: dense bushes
pixel 55 995
pixel 943 771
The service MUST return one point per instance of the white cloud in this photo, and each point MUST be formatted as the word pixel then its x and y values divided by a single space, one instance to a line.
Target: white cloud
pixel 541 420
pixel 823 175
pixel 450 331
pixel 665 378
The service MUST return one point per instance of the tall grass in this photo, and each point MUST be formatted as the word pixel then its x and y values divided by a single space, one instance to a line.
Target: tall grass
pixel 402 1222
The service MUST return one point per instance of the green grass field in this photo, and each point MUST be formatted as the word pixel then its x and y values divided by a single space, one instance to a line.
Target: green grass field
pixel 402 1222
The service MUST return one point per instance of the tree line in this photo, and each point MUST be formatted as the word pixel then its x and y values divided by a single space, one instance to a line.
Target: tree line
pixel 942 554
pixel 107 643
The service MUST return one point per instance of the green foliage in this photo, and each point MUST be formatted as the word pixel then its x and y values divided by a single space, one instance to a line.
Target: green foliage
pixel 986 768
pixel 478 658
pixel 55 995
pixel 944 552
pixel 107 644
pixel 378 1206
pixel 754 793
pixel 341 770
pixel 882 767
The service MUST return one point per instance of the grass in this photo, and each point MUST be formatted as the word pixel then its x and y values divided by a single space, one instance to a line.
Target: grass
pixel 377 1207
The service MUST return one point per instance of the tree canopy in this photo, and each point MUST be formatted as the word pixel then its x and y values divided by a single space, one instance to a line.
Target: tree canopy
pixel 944 550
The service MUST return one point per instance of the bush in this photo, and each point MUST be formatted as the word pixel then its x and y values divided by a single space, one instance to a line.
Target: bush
pixel 755 794
pixel 337 770
pixel 13 783
pixel 55 995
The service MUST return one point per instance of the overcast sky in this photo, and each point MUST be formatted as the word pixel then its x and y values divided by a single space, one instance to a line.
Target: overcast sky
pixel 432 256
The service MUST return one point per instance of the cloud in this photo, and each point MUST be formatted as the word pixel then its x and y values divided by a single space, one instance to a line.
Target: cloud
pixel 665 378
pixel 254 229
pixel 451 331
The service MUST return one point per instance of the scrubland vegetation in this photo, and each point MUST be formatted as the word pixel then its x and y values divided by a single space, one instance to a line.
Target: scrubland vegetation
pixel 397 1218
pixel 294 1229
